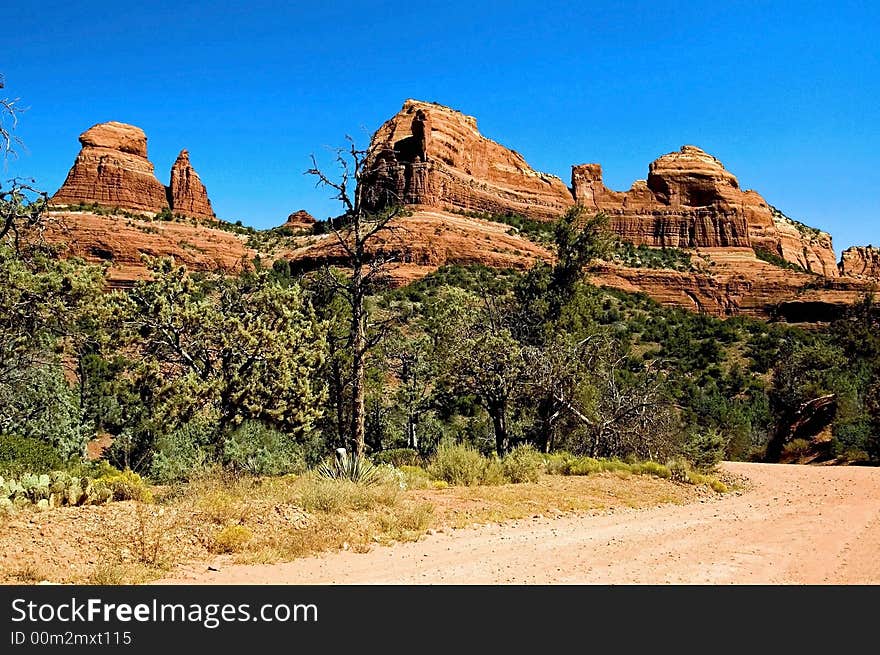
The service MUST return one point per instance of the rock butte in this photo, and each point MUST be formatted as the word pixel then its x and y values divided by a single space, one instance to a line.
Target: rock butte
pixel 431 155
pixel 186 194
pixel 300 220
pixel 861 261
pixel 112 170
pixel 434 160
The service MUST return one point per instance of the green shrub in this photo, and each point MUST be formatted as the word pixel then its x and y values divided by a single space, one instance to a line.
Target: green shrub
pixel 415 477
pixel 523 464
pixel 705 449
pixel 231 539
pixel 679 470
pixel 127 485
pixel 398 457
pixel 796 448
pixel 19 455
pixel 651 468
pixel 184 454
pixel 259 450
pixel 358 470
pixel 320 494
pixel 559 463
pixel 457 465
pixel 493 472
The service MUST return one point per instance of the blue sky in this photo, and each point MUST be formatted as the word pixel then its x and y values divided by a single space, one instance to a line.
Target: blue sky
pixel 787 95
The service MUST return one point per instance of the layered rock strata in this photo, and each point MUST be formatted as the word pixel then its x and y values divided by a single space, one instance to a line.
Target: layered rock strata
pixel 186 193
pixel 861 261
pixel 112 169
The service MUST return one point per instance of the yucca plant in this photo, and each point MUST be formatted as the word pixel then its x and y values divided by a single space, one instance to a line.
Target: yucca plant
pixel 355 469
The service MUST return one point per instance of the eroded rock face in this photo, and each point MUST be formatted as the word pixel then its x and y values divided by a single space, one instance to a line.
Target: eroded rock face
pixel 121 242
pixel 861 261
pixel 186 193
pixel 431 155
pixel 112 169
pixel 300 221
pixel 690 200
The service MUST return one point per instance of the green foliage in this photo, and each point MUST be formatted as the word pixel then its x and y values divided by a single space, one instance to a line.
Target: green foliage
pixel 538 231
pixel 796 449
pixel 776 260
pixel 231 539
pixel 523 464
pixel 54 489
pixel 398 457
pixel 19 455
pixel 183 454
pixel 704 449
pixel 642 256
pixel 457 465
pixel 257 449
pixel 126 485
pixel 43 406
pixel 232 348
pixel 358 470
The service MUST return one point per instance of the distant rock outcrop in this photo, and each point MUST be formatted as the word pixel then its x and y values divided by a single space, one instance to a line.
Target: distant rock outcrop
pixel 186 193
pixel 112 169
pixel 861 261
pixel 431 155
pixel 300 221
pixel 690 200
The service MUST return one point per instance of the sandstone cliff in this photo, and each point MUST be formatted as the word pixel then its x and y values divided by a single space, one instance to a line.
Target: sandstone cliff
pixel 435 157
pixel 431 155
pixel 186 193
pixel 861 261
pixel 120 242
pixel 300 221
pixel 112 169
pixel 690 200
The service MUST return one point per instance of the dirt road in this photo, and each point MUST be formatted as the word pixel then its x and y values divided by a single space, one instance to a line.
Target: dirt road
pixel 796 524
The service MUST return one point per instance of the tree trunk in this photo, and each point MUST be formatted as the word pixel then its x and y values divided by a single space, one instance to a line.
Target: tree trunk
pixel 412 437
pixel 358 352
pixel 499 425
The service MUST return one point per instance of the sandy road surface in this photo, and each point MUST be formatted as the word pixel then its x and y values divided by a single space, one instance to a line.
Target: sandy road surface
pixel 797 524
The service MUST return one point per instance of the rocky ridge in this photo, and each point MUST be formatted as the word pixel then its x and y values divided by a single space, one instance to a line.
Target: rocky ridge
pixel 861 261
pixel 112 170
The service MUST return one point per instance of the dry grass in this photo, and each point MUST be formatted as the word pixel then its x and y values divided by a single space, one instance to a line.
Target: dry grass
pixel 251 520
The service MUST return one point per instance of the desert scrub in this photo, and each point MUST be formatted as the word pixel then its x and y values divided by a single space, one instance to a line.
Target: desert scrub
pixel 398 457
pixel 320 494
pixel 231 539
pixel 677 469
pixel 796 448
pixel 458 465
pixel 523 464
pixel 415 477
pixel 127 485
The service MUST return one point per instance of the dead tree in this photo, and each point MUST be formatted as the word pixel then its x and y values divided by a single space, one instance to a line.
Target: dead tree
pixel 363 236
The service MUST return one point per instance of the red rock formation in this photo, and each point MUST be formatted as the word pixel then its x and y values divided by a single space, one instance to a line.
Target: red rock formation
pixel 112 169
pixel 300 221
pixel 120 242
pixel 187 194
pixel 690 200
pixel 733 281
pixel 431 155
pixel 861 261
pixel 426 239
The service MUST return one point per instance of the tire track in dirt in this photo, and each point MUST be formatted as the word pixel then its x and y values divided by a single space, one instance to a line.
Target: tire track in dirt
pixel 795 525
